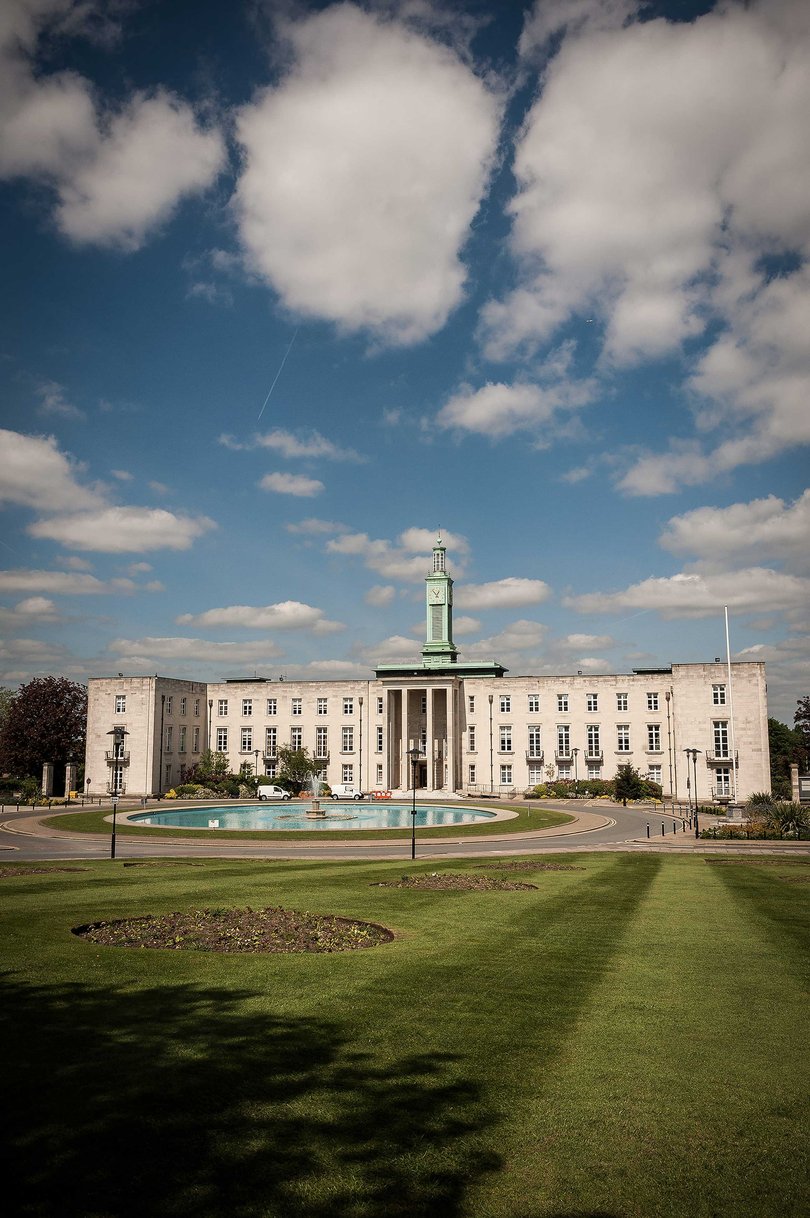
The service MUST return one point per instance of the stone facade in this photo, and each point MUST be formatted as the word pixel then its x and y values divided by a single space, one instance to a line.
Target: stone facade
pixel 480 730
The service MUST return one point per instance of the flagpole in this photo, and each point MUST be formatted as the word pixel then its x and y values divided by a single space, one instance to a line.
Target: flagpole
pixel 731 708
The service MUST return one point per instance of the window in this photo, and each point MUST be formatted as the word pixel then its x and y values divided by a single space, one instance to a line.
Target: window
pixel 471 738
pixel 121 704
pixel 271 770
pixel 720 730
pixel 195 740
pixel 247 707
pixel 347 740
pixel 592 702
pixel 505 745
pixel 183 702
pixel 471 704
pixel 222 706
pixel 168 775
pixel 347 772
pixel 535 774
pixel 563 771
pixel 594 771
pixel 621 702
pixel 654 773
pixel 379 739
pixel 348 706
pixel 222 739
pixel 168 706
pixel 652 701
pixel 562 702
pixel 719 695
pixel 168 747
pixel 296 737
pixel 270 741
pixel 197 707
pixel 592 736
pixel 534 704
pixel 181 738
pixel 535 743
pixel 246 740
pixel 653 738
pixel 471 773
pixel 505 704
pixel 506 776
pixel 563 740
pixel 379 775
pixel 296 707
pixel 623 737
pixel 722 781
pixel 272 706
pixel 423 704
pixel 321 706
pixel 379 706
pixel 321 742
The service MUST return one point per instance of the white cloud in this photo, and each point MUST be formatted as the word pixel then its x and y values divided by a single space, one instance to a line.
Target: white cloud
pixel 654 195
pixel 389 651
pixel 695 595
pixel 764 528
pixel 291 484
pixel 464 625
pixel 422 541
pixel 33 608
pixel 53 402
pixel 123 530
pixel 286 615
pixel 146 651
pixel 55 582
pixel 575 642
pixel 123 475
pixel 518 637
pixel 380 595
pixel 306 445
pixel 116 174
pixel 509 593
pixel 499 410
pixel 393 561
pixel 35 474
pixel 362 173
pixel 313 527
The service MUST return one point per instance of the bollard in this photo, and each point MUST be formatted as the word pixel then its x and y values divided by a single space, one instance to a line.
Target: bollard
pixel 648 831
pixel 662 828
pixel 674 827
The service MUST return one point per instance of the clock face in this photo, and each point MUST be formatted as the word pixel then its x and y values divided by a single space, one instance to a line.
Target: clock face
pixel 437 596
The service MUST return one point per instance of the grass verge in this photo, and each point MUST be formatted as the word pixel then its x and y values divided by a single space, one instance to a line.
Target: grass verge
pixel 627 1041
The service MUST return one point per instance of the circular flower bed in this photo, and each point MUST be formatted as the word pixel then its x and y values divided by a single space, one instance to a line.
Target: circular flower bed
pixel 238 930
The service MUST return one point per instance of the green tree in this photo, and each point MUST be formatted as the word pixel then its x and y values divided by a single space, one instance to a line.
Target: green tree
pixel 628 784
pixel 45 721
pixel 786 745
pixel 295 767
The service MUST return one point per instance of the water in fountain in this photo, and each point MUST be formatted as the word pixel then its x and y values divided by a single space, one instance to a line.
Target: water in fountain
pixel 315 785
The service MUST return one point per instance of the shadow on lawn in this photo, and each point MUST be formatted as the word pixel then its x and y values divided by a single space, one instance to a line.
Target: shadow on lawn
pixel 180 1100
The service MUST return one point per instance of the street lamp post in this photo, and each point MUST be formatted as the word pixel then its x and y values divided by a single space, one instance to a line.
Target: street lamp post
pixel 693 753
pixel 415 755
pixel 210 717
pixel 256 764
pixel 576 781
pixel 491 762
pixel 118 742
pixel 360 765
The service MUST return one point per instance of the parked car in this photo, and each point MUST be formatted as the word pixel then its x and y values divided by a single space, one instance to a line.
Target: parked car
pixel 346 790
pixel 269 791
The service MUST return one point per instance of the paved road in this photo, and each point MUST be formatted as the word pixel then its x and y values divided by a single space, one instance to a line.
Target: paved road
pixel 599 827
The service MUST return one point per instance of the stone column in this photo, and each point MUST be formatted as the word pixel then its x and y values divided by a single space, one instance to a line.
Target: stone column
pixel 452 784
pixel 47 779
pixel 404 759
pixel 430 743
pixel 794 783
pixel 71 775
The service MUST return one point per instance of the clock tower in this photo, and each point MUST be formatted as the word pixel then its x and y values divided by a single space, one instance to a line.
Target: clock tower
pixel 439 649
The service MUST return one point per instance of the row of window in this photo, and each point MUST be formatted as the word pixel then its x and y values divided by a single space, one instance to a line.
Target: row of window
pixel 594 738
pixel 182 739
pixel 591 701
pixel 321 704
pixel 247 736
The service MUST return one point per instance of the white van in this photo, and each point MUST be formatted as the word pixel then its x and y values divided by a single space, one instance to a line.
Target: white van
pixel 346 790
pixel 269 791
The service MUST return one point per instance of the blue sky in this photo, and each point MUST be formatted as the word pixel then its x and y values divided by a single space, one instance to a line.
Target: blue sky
pixel 290 286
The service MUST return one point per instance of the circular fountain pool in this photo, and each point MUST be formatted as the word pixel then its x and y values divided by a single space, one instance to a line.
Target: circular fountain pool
pixel 334 816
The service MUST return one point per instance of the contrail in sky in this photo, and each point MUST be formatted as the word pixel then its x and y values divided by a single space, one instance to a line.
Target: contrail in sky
pixel 278 374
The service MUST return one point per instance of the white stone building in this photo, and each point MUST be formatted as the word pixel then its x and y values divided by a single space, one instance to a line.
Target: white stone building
pixel 479 730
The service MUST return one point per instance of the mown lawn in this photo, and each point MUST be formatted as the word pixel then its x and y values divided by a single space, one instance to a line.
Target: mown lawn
pixel 629 1040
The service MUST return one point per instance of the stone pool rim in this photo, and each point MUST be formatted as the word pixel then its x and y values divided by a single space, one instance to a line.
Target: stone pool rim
pixel 129 818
